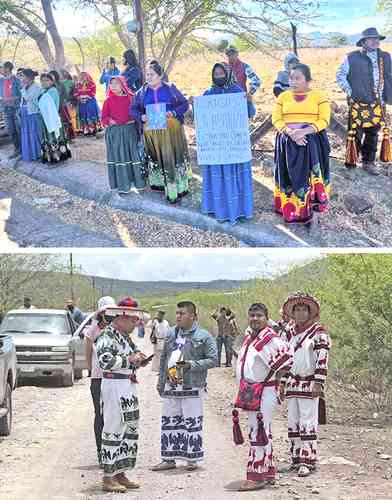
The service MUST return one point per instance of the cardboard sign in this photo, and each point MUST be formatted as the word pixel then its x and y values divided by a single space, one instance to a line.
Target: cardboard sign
pixel 222 129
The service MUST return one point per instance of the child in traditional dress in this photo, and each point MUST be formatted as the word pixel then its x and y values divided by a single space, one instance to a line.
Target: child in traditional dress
pixel 123 155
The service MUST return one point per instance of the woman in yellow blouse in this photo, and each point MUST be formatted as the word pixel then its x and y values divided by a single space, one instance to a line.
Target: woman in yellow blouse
pixel 302 175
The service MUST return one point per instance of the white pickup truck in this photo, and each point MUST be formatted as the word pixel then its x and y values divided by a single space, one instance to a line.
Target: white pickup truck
pixel 47 344
pixel 7 382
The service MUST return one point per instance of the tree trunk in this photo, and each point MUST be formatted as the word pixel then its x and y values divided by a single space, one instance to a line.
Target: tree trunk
pixel 44 47
pixel 59 59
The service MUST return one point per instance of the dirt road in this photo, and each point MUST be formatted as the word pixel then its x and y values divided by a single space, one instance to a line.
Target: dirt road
pixel 51 453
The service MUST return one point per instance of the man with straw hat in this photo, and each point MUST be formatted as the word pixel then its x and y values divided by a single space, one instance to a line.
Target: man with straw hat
pixel 188 354
pixel 304 385
pixel 119 358
pixel 366 77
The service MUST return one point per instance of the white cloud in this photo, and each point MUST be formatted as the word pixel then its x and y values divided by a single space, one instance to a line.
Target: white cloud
pixel 177 265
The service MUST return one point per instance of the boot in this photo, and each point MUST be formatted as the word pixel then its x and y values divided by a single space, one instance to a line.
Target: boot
pixel 124 481
pixel 110 485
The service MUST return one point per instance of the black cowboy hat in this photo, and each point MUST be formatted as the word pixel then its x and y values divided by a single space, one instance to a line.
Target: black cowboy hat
pixel 370 33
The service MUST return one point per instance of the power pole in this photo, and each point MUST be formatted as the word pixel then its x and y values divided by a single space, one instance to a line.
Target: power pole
pixel 139 17
pixel 71 274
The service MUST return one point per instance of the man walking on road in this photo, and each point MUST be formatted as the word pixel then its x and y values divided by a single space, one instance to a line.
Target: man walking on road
pixel 119 358
pixel 160 330
pixel 188 354
pixel 304 385
pixel 91 335
pixel 225 335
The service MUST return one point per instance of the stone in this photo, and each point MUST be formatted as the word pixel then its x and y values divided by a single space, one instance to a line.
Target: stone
pixel 357 204
pixel 315 491
pixel 383 456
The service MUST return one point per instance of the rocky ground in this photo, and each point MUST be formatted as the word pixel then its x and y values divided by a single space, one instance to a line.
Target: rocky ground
pixel 75 222
pixel 50 454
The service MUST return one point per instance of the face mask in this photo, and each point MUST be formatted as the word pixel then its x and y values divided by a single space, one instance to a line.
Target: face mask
pixel 220 82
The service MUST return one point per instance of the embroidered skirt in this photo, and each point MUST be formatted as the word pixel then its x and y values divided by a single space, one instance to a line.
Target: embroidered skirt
pixel 302 176
pixel 168 160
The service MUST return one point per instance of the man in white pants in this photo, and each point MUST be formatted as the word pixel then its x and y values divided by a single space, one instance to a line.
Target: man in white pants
pixel 304 385
pixel 261 360
pixel 188 354
pixel 119 359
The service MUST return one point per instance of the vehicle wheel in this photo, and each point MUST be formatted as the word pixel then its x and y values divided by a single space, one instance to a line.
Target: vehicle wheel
pixel 68 379
pixel 6 422
pixel 78 374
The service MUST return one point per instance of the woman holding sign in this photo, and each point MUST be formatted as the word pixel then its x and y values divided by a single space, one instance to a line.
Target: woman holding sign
pixel 160 108
pixel 302 175
pixel 227 189
pixel 124 162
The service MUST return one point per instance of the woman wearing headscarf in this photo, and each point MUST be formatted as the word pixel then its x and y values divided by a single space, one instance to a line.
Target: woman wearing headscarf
pixel 124 162
pixel 54 143
pixel 302 174
pixel 88 109
pixel 227 189
pixel 166 149
pixel 64 113
pixel 31 130
pixel 132 71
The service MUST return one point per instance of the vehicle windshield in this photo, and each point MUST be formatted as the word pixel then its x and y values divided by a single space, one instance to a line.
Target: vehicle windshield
pixel 35 323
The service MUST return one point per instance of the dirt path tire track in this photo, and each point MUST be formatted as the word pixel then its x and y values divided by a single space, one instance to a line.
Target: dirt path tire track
pixel 51 453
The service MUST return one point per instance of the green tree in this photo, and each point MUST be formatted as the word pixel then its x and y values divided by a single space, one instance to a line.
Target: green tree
pixel 169 24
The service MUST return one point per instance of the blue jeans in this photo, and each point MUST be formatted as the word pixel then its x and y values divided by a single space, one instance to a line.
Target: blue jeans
pixel 227 341
pixel 12 123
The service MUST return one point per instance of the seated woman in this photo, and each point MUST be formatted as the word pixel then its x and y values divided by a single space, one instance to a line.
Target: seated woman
pixel 31 130
pixel 166 148
pixel 88 109
pixel 227 189
pixel 302 174
pixel 123 157
pixel 54 144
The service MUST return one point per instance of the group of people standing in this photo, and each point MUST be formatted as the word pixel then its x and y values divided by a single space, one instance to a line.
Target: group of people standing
pixel 301 116
pixel 273 364
pixel 43 118
pixel 146 141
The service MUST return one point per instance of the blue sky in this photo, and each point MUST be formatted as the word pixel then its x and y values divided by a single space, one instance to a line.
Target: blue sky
pixel 337 15
pixel 351 16
pixel 203 266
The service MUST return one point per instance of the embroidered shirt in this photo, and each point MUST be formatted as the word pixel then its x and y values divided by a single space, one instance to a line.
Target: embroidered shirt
pixel 113 351
pixel 310 363
pixel 314 110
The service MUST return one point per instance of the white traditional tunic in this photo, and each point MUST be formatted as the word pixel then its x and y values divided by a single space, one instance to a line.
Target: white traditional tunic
pixel 161 330
pixel 120 402
pixel 311 347
pixel 263 355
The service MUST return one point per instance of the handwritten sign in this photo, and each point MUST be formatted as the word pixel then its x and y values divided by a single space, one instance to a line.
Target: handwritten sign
pixel 156 116
pixel 222 129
